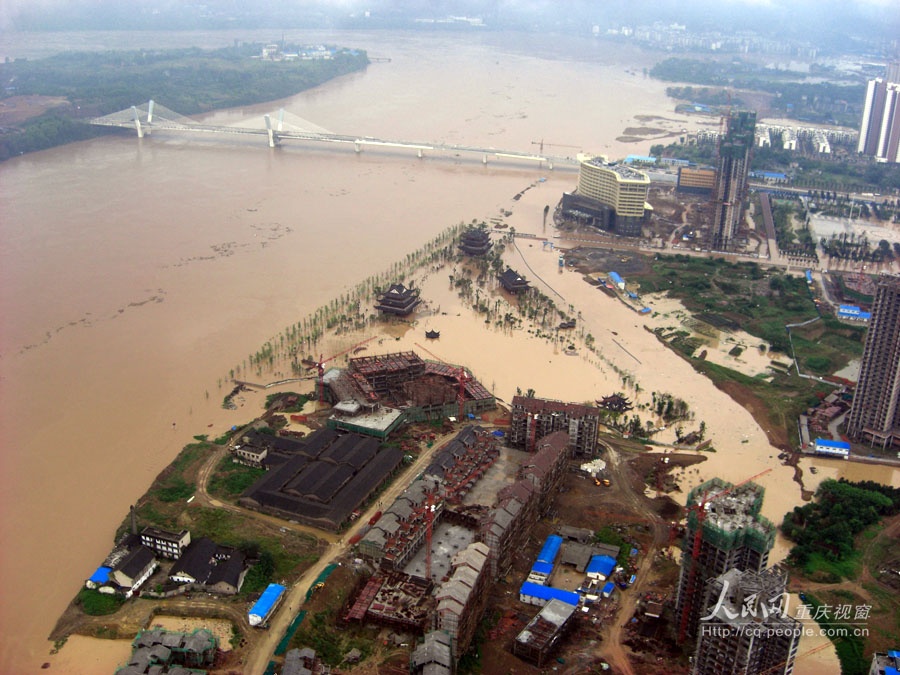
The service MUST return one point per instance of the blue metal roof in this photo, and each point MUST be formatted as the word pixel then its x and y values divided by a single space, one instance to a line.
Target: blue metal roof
pixel 616 278
pixel 601 564
pixel 267 601
pixel 542 568
pixel 827 443
pixel 551 549
pixel 609 588
pixel 101 576
pixel 549 593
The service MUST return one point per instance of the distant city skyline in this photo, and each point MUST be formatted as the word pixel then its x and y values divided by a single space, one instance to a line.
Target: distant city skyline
pixel 830 18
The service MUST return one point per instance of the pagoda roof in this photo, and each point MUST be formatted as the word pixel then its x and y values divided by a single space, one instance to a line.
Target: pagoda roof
pixel 513 281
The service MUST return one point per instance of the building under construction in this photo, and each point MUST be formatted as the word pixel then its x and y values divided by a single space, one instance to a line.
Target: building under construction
pixel 732 535
pixel 420 390
pixel 732 170
pixel 534 418
pixel 507 526
pixel 745 629
pixel 394 599
pixel 544 632
pixel 461 599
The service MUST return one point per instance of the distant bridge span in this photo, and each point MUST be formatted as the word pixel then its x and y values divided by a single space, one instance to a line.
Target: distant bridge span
pixel 151 116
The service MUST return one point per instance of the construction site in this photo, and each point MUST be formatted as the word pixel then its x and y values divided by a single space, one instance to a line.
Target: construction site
pixel 724 531
pixel 376 394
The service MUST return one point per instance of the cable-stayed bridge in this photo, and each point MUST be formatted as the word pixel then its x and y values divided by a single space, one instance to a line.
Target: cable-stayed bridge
pixel 284 126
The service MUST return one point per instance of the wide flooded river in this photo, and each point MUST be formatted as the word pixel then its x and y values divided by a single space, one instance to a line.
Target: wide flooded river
pixel 135 274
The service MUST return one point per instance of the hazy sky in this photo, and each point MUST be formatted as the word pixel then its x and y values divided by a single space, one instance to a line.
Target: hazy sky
pixel 835 17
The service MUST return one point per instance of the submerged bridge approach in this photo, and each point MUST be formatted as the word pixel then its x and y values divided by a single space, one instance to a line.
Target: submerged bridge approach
pixel 152 116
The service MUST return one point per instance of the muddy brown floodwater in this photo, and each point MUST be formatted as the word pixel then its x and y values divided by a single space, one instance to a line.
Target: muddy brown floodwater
pixel 135 274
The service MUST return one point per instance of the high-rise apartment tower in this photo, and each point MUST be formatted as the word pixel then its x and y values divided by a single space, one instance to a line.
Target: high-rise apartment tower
pixel 733 536
pixel 746 629
pixel 874 417
pixel 879 134
pixel 731 178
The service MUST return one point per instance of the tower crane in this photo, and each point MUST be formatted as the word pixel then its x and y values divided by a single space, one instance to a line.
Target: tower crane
pixel 320 365
pixel 552 145
pixel 461 375
pixel 700 508
pixel 780 666
pixel 429 526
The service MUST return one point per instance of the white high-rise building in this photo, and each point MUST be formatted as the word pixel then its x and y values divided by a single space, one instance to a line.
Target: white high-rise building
pixel 879 135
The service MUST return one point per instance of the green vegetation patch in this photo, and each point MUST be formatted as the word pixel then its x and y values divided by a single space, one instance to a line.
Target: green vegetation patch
pixel 607 535
pixel 321 630
pixel 231 479
pixel 824 530
pixel 95 603
pixel 781 398
pixel 188 81
pixel 281 555
pixel 760 302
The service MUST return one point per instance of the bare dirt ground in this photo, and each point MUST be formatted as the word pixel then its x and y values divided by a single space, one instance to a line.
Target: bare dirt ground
pixel 644 523
pixel 17 109
pixel 874 586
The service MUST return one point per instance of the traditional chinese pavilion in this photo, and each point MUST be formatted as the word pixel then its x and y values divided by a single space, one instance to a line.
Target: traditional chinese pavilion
pixel 399 300
pixel 475 241
pixel 513 282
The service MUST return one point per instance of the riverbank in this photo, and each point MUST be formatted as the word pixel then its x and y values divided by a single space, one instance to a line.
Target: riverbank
pixel 134 274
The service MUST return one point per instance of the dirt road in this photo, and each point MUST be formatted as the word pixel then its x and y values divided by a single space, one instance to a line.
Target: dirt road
pixel 203 497
pixel 612 649
pixel 264 648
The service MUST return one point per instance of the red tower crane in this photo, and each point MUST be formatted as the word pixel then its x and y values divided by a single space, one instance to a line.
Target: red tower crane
pixel 700 508
pixel 320 365
pixel 461 375
pixel 429 524
pixel 531 425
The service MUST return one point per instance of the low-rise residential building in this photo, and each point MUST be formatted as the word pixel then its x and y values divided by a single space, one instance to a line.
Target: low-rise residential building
pixel 210 567
pixel 165 544
pixel 434 656
pixel 134 569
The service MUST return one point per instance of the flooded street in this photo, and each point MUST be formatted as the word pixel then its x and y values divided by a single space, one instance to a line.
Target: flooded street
pixel 134 275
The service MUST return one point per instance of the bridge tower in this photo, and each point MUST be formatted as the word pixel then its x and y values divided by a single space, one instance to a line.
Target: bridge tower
pixel 273 138
pixel 137 119
pixel 137 122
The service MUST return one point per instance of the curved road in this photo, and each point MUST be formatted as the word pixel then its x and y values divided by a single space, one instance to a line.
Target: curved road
pixel 611 648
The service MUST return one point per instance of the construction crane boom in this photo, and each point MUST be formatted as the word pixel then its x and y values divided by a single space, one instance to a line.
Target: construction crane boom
pixel 780 666
pixel 461 375
pixel 552 145
pixel 700 508
pixel 320 365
